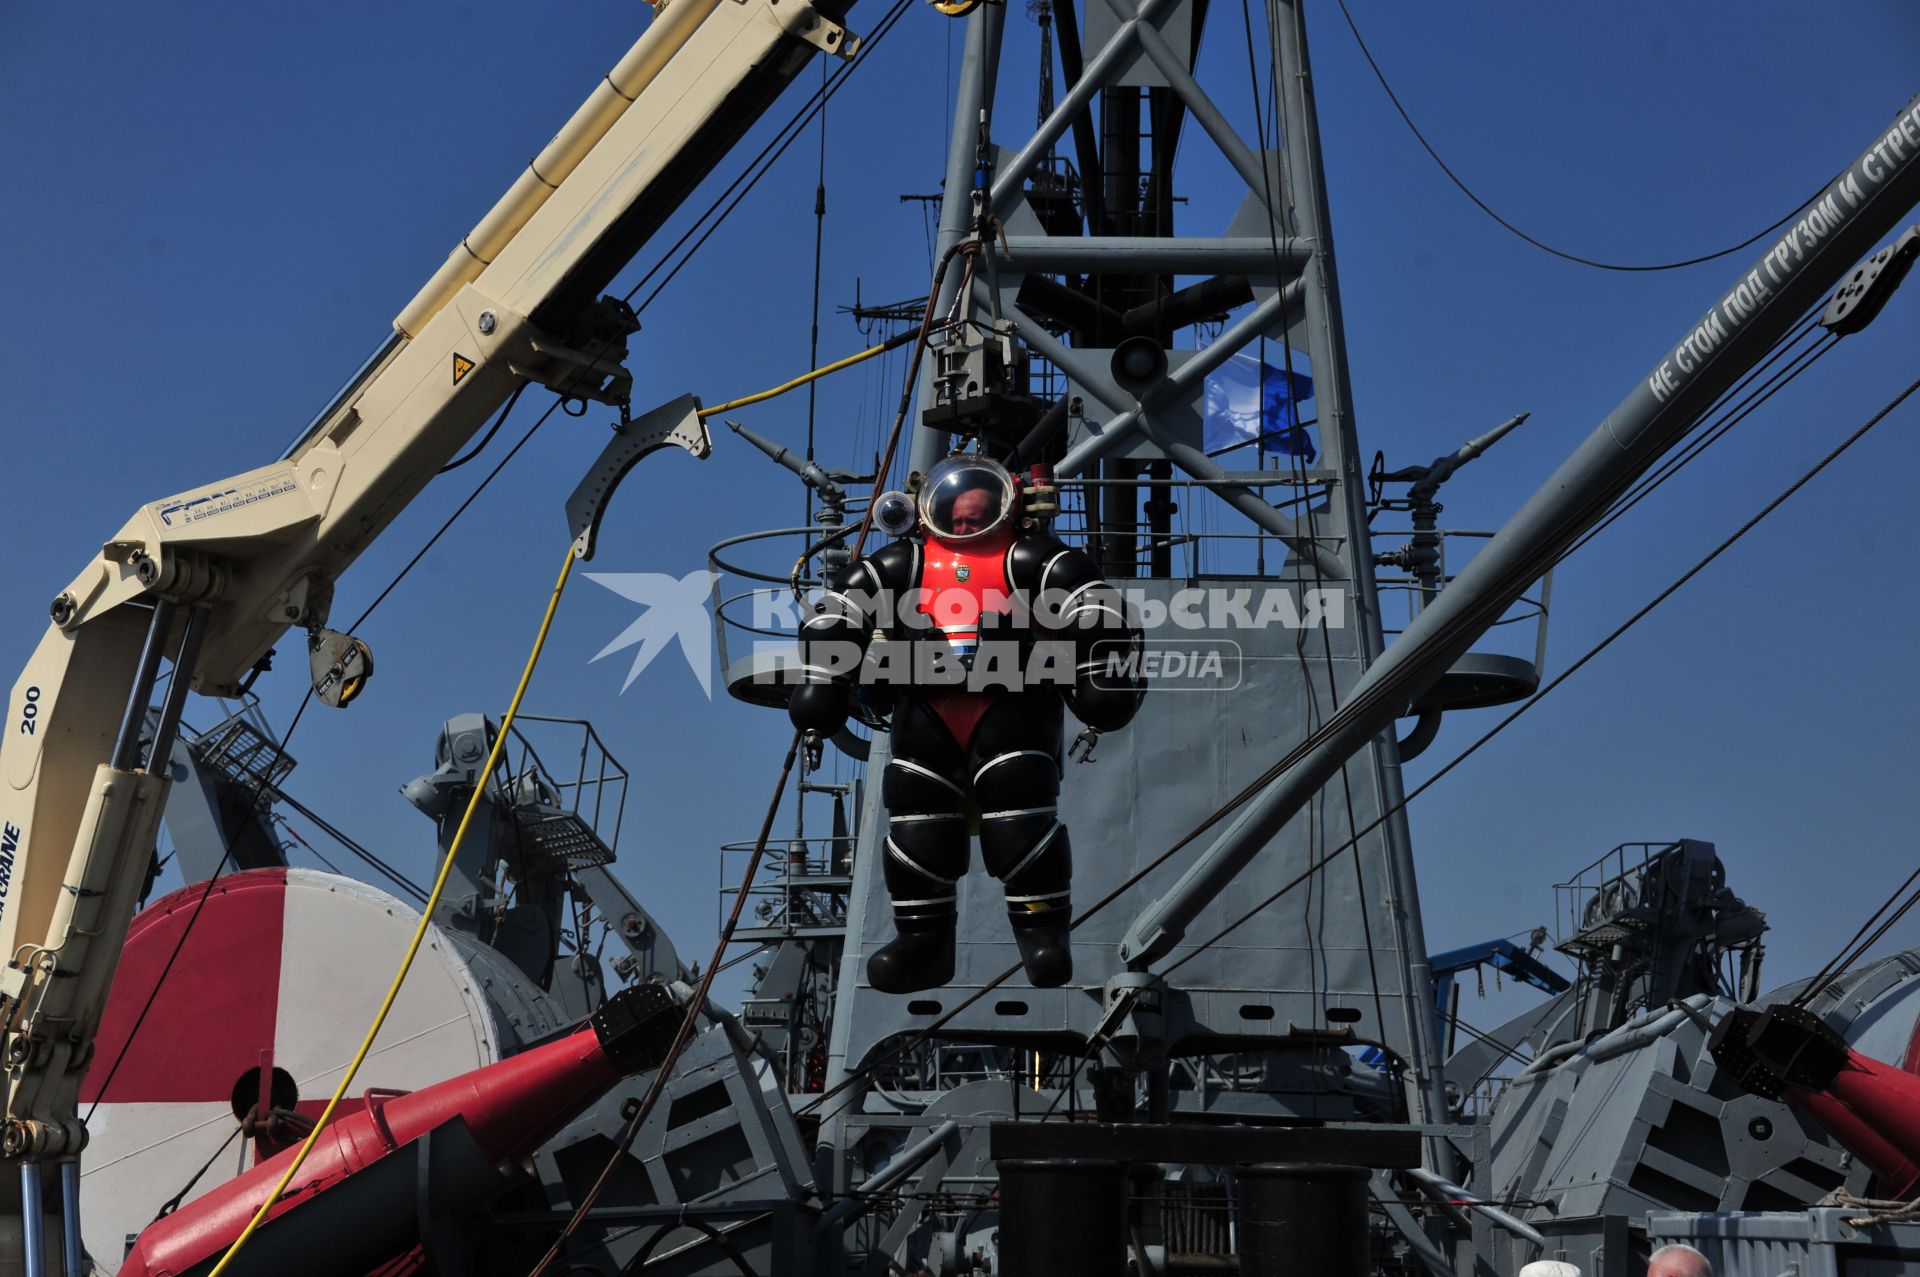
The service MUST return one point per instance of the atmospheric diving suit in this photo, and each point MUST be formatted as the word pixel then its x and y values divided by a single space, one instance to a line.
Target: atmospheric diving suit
pixel 992 626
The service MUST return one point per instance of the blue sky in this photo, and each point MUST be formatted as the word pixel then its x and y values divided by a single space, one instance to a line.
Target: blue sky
pixel 217 209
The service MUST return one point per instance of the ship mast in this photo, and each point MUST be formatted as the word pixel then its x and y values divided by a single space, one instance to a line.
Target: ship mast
pixel 1163 506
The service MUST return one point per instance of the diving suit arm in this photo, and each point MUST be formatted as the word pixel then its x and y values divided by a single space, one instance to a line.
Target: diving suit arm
pixel 1072 601
pixel 835 634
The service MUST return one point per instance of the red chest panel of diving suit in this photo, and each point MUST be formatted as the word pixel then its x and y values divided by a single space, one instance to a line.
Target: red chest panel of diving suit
pixel 958 585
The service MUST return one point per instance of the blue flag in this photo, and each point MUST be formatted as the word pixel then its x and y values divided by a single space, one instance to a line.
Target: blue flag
pixel 1248 399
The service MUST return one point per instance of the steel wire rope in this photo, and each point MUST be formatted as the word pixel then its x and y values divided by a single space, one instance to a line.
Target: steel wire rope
pixel 1654 479
pixel 1855 945
pixel 1315 997
pixel 153 995
pixel 172 1204
pixel 280 749
pixel 1590 653
pixel 301 709
pixel 796 122
pixel 1840 962
pixel 419 931
pixel 421 553
pixel 685 1032
pixel 1484 207
pixel 1100 1039
pixel 311 850
pixel 969 247
pixel 771 153
pixel 907 1041
pixel 374 862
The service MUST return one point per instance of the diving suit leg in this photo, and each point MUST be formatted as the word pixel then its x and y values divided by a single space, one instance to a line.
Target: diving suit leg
pixel 925 854
pixel 1016 782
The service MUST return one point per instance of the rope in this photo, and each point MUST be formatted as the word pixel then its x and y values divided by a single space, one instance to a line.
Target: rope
pixel 172 1204
pixel 1856 947
pixel 419 932
pixel 1544 247
pixel 771 152
pixel 1714 433
pixel 1879 1210
pixel 685 1033
pixel 819 259
pixel 326 827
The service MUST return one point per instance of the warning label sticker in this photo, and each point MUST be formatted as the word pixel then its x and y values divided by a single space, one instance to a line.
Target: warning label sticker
pixel 461 367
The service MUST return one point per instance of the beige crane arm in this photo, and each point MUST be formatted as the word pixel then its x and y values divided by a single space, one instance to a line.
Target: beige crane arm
pixel 215 576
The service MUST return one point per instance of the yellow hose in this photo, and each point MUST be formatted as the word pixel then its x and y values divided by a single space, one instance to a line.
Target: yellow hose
pixel 419 932
pixel 891 344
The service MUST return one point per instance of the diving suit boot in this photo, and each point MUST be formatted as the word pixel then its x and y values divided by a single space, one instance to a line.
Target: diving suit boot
pixel 1046 949
pixel 912 961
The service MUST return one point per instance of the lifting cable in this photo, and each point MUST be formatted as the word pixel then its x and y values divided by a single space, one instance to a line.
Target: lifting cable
pixel 1717 431
pixel 907 1042
pixel 1856 946
pixel 1544 247
pixel 172 1204
pixel 685 1033
pixel 419 931
pixel 755 169
pixel 372 861
pixel 287 827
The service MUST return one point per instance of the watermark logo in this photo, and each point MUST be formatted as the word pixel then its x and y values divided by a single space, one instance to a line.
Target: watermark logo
pixel 959 638
pixel 1167 665
pixel 676 611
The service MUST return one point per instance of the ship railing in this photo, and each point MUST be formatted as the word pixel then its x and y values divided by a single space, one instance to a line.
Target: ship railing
pixel 1521 631
pixel 940 1066
pixel 589 804
pixel 1190 545
pixel 756 606
pixel 1595 907
pixel 800 890
pixel 1478 1103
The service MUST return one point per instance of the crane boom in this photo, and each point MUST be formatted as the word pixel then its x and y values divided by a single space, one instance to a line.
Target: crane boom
pixel 213 577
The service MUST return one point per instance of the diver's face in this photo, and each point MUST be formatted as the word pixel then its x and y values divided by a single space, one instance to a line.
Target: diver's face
pixel 972 512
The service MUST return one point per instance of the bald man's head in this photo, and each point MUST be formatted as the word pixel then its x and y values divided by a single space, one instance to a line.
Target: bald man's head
pixel 1678 1261
pixel 974 511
